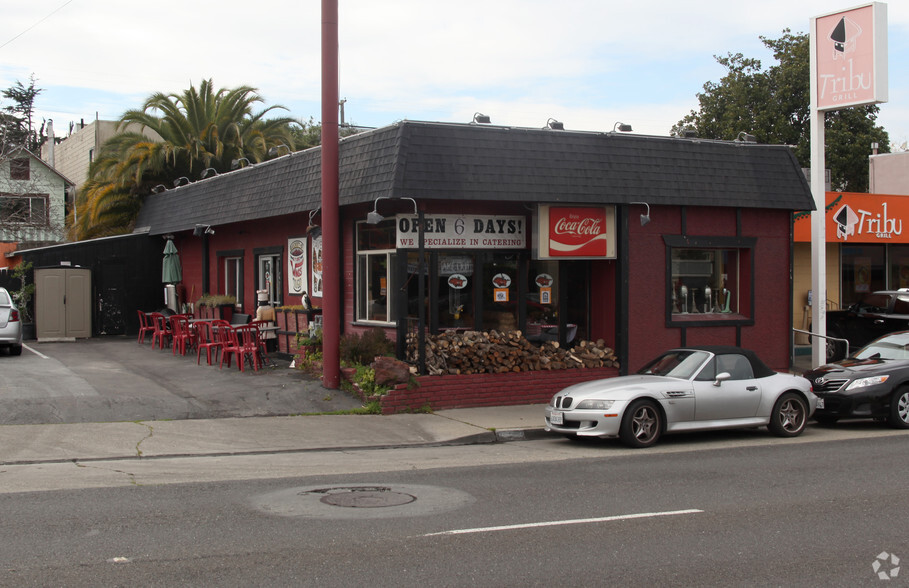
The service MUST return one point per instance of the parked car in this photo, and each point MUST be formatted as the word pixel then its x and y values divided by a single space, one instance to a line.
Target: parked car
pixel 10 324
pixel 873 383
pixel 689 389
pixel 876 314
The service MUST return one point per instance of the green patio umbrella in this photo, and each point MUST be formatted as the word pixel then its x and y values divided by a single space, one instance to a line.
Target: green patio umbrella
pixel 171 272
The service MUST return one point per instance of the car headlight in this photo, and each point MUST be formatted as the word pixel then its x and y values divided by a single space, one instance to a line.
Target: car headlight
pixel 865 382
pixel 595 404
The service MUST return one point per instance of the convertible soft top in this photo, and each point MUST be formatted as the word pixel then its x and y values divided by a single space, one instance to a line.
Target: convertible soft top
pixel 759 368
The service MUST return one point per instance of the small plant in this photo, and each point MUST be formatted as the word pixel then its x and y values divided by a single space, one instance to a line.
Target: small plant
pixel 310 358
pixel 363 349
pixel 212 300
pixel 365 378
pixel 23 295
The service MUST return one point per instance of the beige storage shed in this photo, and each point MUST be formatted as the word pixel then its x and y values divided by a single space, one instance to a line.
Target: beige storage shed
pixel 63 303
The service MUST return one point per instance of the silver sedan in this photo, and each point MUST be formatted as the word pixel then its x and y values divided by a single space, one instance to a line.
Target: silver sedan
pixel 690 389
pixel 10 324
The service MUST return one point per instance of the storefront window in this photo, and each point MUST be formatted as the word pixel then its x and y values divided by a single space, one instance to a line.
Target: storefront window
pixel 500 292
pixel 899 266
pixel 375 257
pixel 863 272
pixel 709 284
pixel 543 301
pixel 456 288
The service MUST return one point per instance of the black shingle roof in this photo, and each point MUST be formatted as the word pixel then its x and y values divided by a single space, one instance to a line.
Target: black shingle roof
pixel 437 161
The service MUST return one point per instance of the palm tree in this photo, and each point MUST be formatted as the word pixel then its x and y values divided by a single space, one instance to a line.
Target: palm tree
pixel 198 130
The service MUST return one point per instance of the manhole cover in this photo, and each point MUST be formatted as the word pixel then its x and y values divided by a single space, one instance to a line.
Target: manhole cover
pixel 364 497
pixel 359 501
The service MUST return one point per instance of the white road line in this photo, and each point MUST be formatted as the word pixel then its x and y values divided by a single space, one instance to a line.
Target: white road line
pixel 642 515
pixel 36 352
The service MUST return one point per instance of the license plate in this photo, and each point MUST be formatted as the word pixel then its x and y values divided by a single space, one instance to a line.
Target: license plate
pixel 820 403
pixel 555 418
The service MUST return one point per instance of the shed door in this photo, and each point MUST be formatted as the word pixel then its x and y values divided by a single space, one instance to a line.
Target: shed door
pixel 50 315
pixel 78 303
pixel 62 303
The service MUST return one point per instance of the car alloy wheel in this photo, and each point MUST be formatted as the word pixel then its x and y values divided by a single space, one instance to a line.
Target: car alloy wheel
pixel 899 409
pixel 789 416
pixel 641 425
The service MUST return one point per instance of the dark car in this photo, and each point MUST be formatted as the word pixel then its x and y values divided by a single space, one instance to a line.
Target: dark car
pixel 874 383
pixel 875 315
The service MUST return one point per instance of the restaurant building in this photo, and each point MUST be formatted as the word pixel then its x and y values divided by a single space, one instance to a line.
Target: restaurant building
pixel 645 242
pixel 867 240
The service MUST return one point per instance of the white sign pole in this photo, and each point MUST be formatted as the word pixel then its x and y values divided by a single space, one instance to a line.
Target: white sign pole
pixel 818 230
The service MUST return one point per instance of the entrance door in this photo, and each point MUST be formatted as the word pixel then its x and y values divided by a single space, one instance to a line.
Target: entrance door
pixel 270 278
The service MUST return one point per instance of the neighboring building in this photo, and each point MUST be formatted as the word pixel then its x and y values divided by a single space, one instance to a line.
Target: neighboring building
pixel 524 229
pixel 867 239
pixel 73 155
pixel 32 202
pixel 889 173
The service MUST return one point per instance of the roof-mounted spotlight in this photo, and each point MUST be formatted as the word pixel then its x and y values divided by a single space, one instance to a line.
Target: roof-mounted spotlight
pixel 480 118
pixel 274 151
pixel 688 133
pixel 179 181
pixel 554 125
pixel 202 230
pixel 235 163
pixel 645 218
pixel 620 126
pixel 744 137
pixel 158 189
pixel 209 171
pixel 374 218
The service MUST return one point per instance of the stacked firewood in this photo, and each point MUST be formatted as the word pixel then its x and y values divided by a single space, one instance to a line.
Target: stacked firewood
pixel 477 352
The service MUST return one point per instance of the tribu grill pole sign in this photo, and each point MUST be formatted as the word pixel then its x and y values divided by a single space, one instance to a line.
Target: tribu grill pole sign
pixel 848 52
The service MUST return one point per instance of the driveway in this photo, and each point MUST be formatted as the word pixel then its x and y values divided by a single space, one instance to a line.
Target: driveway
pixel 109 379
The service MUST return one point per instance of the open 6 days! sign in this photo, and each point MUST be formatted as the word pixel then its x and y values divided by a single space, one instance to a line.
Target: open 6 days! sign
pixel 467 231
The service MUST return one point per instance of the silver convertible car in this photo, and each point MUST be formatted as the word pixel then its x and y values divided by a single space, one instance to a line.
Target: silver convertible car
pixel 690 389
pixel 10 324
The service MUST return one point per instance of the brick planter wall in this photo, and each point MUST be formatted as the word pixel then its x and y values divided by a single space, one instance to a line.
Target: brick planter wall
pixel 467 391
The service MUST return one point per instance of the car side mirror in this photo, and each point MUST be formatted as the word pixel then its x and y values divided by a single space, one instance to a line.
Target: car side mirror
pixel 722 377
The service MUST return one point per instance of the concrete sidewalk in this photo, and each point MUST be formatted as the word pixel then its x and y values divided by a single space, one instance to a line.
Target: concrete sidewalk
pixel 28 444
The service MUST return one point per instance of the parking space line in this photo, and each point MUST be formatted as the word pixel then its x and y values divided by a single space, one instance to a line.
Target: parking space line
pixel 35 351
pixel 642 515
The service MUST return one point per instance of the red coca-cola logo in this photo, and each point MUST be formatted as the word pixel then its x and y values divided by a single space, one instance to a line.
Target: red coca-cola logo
pixel 577 232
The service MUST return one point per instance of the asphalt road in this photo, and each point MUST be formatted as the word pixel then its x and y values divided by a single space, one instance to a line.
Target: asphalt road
pixel 691 514
pixel 109 379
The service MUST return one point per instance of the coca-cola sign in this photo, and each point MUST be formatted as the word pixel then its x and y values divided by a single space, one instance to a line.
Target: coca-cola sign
pixel 577 232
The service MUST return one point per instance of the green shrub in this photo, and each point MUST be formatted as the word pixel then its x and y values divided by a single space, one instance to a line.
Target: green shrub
pixel 363 349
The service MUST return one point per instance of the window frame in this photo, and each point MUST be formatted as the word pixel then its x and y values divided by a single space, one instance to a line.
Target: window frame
pixel 745 311
pixel 20 169
pixel 361 282
pixel 29 198
pixel 223 257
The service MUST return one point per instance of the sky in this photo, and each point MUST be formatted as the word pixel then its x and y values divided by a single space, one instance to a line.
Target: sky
pixel 586 63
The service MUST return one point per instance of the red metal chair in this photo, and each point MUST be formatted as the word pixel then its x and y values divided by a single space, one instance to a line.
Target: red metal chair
pixel 261 348
pixel 182 335
pixel 162 333
pixel 242 342
pixel 207 339
pixel 144 326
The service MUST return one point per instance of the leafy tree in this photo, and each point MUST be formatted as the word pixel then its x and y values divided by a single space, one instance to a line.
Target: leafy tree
pixel 16 126
pixel 774 105
pixel 198 129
